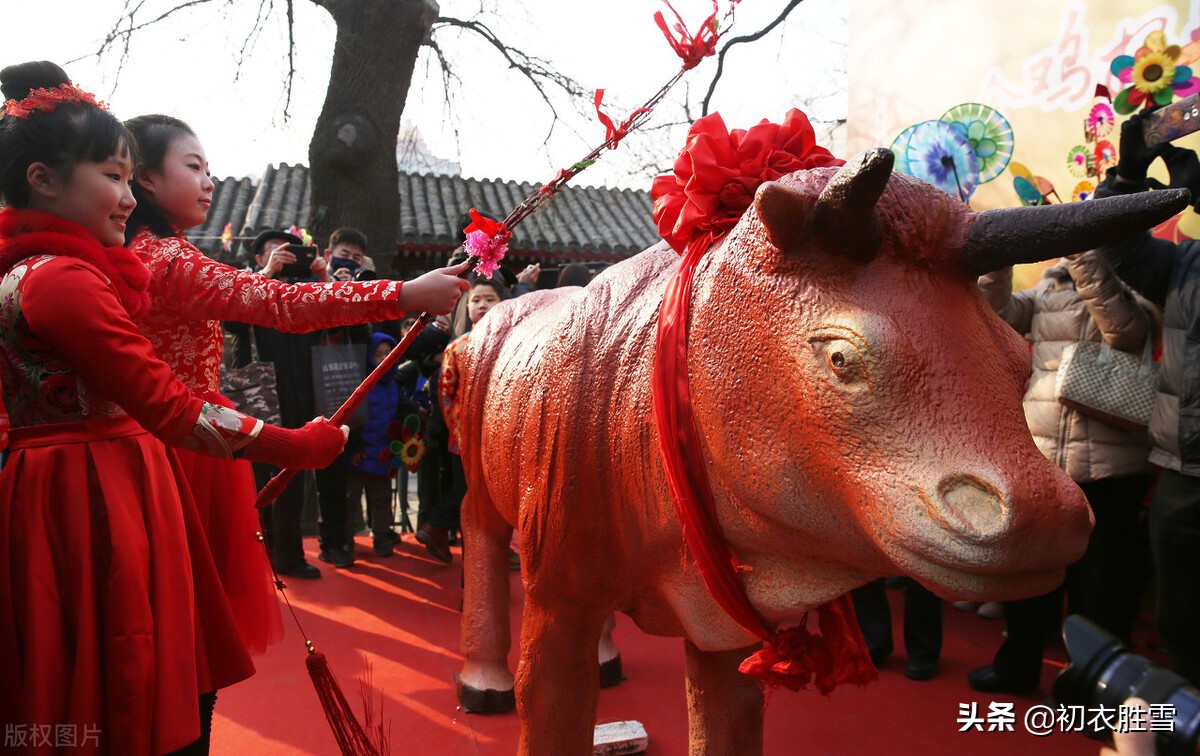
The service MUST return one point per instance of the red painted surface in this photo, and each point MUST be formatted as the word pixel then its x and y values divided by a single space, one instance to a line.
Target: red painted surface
pixel 861 416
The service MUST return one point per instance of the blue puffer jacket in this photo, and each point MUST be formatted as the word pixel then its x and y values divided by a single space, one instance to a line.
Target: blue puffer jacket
pixel 384 403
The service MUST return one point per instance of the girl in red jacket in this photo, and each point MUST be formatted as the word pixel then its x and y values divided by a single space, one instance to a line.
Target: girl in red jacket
pixel 189 295
pixel 112 619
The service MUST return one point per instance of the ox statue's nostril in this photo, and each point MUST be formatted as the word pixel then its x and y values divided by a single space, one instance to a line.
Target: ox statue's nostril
pixel 970 506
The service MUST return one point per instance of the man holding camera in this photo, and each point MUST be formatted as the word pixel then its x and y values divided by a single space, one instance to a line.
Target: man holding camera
pixel 1168 275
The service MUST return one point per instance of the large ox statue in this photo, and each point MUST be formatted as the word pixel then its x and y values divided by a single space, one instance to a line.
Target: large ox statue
pixel 860 410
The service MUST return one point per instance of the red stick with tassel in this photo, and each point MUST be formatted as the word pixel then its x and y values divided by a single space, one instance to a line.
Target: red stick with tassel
pixel 276 485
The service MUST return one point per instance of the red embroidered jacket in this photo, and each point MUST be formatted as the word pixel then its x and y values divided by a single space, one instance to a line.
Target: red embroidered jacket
pixel 191 294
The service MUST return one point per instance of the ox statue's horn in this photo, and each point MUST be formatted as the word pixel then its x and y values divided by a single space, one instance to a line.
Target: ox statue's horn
pixel 1014 235
pixel 844 214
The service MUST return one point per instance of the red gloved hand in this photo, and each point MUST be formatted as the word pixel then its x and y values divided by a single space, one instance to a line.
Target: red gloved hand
pixel 315 445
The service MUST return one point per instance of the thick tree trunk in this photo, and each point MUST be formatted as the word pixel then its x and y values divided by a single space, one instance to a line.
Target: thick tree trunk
pixel 353 149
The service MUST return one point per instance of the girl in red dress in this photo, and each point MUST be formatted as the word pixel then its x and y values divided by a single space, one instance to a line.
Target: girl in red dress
pixel 189 295
pixel 112 618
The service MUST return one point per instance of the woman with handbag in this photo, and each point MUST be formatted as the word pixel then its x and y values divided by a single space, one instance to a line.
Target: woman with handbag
pixel 1079 299
pixel 190 294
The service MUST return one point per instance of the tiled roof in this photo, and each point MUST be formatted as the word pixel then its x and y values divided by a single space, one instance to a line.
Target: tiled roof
pixel 584 223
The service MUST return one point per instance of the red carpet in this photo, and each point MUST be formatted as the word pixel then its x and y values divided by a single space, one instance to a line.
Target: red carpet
pixel 399 617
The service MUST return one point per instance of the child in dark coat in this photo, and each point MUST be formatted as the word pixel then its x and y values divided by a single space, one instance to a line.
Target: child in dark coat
pixel 371 459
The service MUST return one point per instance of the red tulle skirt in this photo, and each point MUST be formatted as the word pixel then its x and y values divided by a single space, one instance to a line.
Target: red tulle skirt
pixel 224 492
pixel 112 618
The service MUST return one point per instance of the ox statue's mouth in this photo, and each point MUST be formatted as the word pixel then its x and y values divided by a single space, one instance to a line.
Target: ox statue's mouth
pixel 957 583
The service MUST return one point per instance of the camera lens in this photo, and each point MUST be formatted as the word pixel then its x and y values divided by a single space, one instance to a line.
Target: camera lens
pixel 1103 672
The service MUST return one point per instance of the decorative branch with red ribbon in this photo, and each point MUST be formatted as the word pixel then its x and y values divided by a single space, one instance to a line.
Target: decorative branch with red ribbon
pixel 487 240
pixel 691 49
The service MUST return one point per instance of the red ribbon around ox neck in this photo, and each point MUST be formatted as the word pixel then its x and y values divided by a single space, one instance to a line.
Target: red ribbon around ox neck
pixel 714 182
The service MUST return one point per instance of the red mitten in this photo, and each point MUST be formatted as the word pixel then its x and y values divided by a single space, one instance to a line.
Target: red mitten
pixel 315 445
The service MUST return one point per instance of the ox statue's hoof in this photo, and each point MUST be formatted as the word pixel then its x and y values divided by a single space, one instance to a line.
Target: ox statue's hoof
pixel 476 701
pixel 610 672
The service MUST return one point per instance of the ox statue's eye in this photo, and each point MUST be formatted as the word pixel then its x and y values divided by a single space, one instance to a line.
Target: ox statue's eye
pixel 843 358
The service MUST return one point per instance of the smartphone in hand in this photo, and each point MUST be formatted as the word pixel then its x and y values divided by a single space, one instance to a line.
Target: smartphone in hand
pixel 302 268
pixel 1170 122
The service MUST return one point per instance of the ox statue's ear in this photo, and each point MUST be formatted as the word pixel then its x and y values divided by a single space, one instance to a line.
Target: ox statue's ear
pixel 1013 235
pixel 785 213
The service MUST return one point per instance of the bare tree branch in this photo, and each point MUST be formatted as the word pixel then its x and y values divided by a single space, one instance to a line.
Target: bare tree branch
pixel 538 71
pixel 252 37
pixel 130 27
pixel 291 75
pixel 451 83
pixel 746 38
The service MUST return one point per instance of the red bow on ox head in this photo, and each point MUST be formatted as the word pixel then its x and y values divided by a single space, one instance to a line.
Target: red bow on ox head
pixel 718 171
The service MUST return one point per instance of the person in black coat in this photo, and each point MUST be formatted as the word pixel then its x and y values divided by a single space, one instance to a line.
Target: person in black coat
pixel 1168 275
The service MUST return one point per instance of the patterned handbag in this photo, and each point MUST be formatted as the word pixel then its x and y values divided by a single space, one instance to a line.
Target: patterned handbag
pixel 1108 384
pixel 252 388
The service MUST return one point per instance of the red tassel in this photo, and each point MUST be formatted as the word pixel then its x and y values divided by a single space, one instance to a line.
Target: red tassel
pixel 796 657
pixel 351 737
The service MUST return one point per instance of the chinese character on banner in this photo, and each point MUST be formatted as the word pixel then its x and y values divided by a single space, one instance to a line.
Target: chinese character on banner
pixel 91 735
pixel 968 717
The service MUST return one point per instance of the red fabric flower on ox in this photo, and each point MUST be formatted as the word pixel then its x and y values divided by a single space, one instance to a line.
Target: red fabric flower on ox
pixel 719 170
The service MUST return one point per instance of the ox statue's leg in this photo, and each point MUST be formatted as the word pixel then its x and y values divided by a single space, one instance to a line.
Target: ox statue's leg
pixel 485 685
pixel 724 706
pixel 557 680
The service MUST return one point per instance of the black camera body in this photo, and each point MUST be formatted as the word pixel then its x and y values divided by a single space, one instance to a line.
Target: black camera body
pixel 1103 672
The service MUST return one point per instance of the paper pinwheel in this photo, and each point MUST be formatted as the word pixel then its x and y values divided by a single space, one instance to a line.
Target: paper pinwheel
pixel 989 134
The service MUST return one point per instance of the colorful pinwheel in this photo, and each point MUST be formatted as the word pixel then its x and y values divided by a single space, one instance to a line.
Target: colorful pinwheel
pixel 938 153
pixel 1100 120
pixel 1079 161
pixel 1154 74
pixel 1105 156
pixel 1082 191
pixel 1032 190
pixel 989 134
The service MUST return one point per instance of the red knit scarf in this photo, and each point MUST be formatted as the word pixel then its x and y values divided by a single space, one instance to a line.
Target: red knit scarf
pixel 26 233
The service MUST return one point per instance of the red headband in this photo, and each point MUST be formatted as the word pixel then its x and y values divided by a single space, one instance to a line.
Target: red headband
pixel 46 99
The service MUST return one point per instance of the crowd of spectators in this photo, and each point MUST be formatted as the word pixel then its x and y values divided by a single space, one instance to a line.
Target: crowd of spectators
pixel 402 406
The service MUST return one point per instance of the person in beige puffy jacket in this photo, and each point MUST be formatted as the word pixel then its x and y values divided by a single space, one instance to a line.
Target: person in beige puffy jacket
pixel 1078 299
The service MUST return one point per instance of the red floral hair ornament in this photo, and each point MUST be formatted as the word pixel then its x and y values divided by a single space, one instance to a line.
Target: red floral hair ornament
pixel 714 182
pixel 47 99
